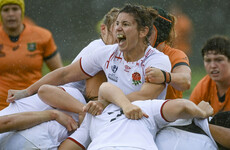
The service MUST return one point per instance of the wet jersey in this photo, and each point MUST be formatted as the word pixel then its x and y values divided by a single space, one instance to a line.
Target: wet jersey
pixel 128 76
pixel 80 85
pixel 21 61
pixel 112 128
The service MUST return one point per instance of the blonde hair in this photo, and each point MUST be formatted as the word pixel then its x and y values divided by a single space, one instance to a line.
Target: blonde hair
pixel 108 19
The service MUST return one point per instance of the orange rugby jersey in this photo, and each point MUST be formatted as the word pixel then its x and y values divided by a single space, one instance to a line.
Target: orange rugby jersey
pixel 206 90
pixel 177 57
pixel 21 61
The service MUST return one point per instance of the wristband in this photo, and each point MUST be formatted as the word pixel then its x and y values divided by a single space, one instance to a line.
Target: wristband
pixel 164 73
pixel 167 77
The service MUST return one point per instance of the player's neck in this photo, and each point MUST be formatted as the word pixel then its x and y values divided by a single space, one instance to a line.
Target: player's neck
pixel 14 32
pixel 161 46
pixel 222 87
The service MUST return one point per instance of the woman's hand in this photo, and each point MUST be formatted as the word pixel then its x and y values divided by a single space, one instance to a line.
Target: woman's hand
pixel 95 107
pixel 206 108
pixel 134 112
pixel 154 75
pixel 16 94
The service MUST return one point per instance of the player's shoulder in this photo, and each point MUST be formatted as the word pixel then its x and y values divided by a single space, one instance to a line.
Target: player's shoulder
pixel 206 81
pixel 158 57
pixel 39 31
pixel 173 52
pixel 96 43
pixel 153 52
pixel 108 48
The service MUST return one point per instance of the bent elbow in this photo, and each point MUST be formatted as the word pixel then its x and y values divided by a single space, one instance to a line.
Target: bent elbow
pixel 43 90
pixel 188 85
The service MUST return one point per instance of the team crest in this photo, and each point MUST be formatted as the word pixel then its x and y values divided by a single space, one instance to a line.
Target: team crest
pixel 136 78
pixel 31 46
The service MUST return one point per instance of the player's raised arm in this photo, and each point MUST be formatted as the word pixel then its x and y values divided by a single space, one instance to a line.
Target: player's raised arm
pixel 70 73
pixel 111 93
pixel 185 109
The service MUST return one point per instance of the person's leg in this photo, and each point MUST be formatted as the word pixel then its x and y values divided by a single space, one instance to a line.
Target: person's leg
pixel 61 98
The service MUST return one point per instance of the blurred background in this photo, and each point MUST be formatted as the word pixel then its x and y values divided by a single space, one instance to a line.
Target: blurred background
pixel 73 23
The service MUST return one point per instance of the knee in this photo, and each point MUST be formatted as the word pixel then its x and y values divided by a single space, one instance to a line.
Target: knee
pixel 44 89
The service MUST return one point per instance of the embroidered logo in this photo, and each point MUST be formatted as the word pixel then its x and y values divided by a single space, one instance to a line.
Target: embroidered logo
pixel 136 78
pixel 114 68
pixel 113 77
pixel 31 46
pixel 127 68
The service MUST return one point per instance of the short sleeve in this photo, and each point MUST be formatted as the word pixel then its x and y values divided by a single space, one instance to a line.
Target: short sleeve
pixel 160 61
pixel 82 135
pixel 49 46
pixel 94 62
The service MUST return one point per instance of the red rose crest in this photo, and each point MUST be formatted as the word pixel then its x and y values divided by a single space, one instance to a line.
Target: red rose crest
pixel 136 78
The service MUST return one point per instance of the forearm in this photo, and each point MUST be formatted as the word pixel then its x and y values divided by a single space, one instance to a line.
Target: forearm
pixel 185 109
pixel 63 75
pixel 113 94
pixel 52 78
pixel 54 62
pixel 180 81
pixel 24 120
pixel 181 78
pixel 147 91
pixel 58 98
pixel 220 135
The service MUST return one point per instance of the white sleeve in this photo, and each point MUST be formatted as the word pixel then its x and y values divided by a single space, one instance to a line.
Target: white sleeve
pixel 89 49
pixel 82 135
pixel 161 61
pixel 156 113
pixel 94 62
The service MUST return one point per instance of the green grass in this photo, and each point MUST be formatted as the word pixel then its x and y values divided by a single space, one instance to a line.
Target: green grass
pixel 45 69
pixel 197 74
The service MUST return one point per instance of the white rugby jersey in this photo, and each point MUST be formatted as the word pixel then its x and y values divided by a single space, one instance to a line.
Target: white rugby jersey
pixel 128 76
pixel 178 139
pixel 80 85
pixel 112 128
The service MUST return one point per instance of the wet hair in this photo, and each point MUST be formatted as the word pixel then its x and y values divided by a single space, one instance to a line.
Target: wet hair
pixel 110 17
pixel 219 44
pixel 142 15
pixel 164 26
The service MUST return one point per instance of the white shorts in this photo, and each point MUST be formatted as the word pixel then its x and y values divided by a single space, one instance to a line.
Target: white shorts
pixel 176 139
